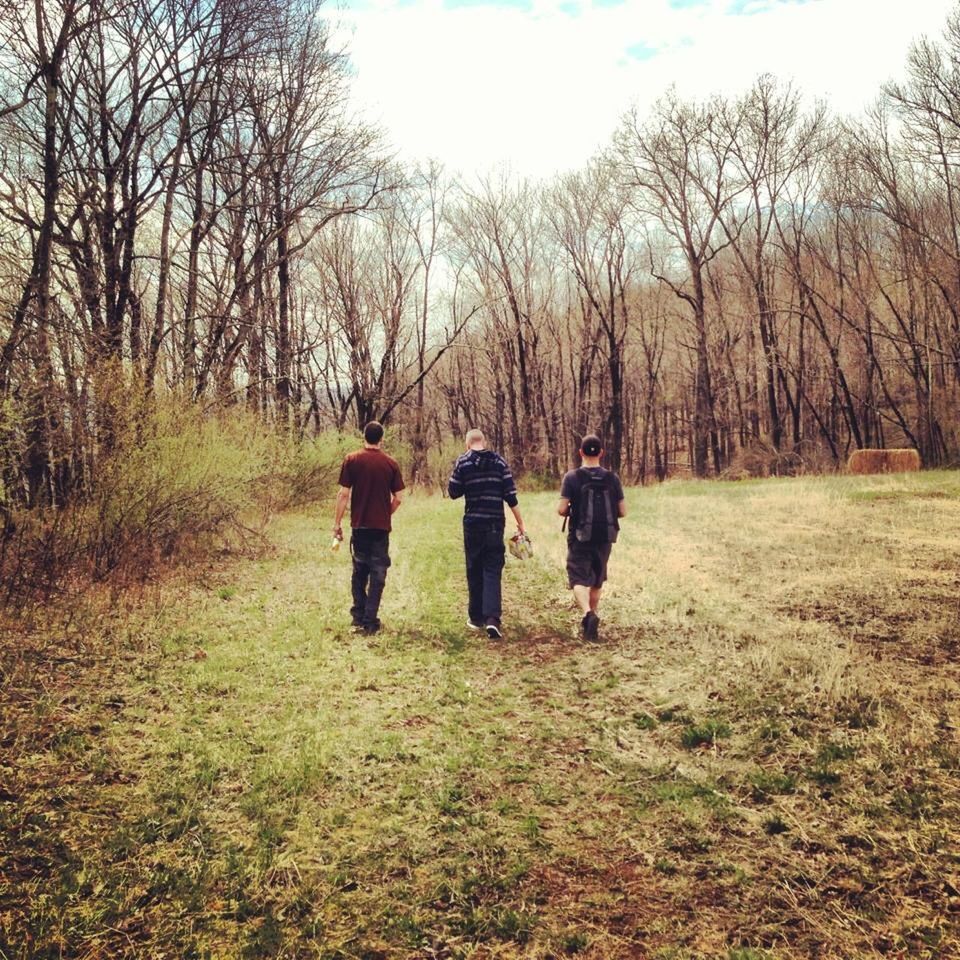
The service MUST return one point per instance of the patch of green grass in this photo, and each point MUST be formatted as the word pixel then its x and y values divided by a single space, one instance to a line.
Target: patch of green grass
pixel 916 801
pixel 769 731
pixel 574 942
pixel 530 826
pixel 643 720
pixel 704 734
pixel 765 784
pixel 688 795
pixel 831 752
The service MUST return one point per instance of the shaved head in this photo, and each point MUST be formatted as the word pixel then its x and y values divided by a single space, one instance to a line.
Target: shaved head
pixel 474 437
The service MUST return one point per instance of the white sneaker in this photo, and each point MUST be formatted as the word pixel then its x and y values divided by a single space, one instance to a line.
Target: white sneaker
pixel 473 626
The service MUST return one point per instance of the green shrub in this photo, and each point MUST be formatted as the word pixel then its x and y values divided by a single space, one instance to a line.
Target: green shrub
pixel 438 462
pixel 303 472
pixel 643 720
pixel 170 479
pixel 177 476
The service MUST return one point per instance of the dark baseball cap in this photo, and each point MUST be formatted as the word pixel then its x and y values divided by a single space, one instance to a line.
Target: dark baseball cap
pixel 591 445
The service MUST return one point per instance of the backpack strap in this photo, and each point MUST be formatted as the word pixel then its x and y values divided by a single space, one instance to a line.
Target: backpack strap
pixel 572 510
pixel 588 517
pixel 584 476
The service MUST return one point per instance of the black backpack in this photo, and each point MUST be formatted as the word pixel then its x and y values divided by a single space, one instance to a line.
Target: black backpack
pixel 595 512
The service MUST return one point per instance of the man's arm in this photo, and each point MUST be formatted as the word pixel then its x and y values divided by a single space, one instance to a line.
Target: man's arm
pixel 516 516
pixel 455 483
pixel 622 508
pixel 343 498
pixel 396 490
pixel 568 491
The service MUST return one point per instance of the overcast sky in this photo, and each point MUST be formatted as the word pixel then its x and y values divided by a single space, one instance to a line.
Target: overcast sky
pixel 538 85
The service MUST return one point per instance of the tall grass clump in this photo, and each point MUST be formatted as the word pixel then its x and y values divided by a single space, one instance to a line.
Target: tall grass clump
pixel 303 471
pixel 438 462
pixel 170 480
pixel 179 476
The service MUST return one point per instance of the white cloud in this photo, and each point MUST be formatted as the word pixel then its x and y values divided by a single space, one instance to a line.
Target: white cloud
pixel 541 90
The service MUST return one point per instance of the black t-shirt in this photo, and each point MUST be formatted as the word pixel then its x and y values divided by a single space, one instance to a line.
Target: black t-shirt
pixel 570 490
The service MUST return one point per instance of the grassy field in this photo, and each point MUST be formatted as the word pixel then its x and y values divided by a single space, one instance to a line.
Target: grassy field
pixel 760 760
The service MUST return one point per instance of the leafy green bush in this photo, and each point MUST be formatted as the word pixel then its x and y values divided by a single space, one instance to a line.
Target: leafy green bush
pixel 439 462
pixel 303 472
pixel 169 478
pixel 179 476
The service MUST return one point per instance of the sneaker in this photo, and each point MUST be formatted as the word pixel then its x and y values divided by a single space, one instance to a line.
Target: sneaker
pixel 590 626
pixel 370 628
pixel 493 630
pixel 472 625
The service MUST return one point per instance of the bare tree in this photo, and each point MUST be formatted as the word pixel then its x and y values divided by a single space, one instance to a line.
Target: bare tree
pixel 678 163
pixel 589 215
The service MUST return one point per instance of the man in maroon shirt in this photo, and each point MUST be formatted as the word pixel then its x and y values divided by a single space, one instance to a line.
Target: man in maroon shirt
pixel 370 481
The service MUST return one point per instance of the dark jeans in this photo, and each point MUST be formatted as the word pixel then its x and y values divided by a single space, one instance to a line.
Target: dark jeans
pixel 484 549
pixel 371 558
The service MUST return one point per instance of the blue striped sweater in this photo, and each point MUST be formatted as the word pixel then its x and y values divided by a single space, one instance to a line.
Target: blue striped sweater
pixel 483 478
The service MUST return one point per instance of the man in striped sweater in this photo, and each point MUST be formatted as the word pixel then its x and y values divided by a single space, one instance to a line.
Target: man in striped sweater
pixel 483 479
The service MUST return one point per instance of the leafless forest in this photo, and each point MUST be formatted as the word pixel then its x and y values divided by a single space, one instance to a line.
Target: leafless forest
pixel 189 210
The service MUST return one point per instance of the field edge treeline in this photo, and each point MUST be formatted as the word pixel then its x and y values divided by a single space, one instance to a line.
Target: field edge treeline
pixel 195 224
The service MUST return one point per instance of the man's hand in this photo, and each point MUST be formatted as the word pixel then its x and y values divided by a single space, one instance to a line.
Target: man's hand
pixel 338 532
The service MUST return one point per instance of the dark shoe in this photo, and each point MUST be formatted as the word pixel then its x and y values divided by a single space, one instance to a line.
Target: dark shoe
pixel 472 625
pixel 493 630
pixel 590 626
pixel 370 628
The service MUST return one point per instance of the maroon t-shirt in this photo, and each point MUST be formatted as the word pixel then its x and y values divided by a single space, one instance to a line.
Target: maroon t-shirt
pixel 373 477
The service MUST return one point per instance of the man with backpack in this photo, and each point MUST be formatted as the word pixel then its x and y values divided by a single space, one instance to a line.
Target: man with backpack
pixel 591 498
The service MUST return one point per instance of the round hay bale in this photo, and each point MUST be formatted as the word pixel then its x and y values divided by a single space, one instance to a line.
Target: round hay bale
pixel 883 461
